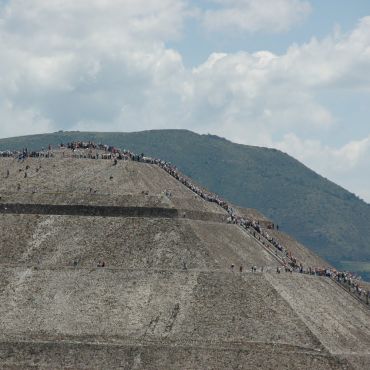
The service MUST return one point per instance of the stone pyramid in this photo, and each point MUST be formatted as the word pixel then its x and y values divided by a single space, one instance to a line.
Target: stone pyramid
pixel 166 297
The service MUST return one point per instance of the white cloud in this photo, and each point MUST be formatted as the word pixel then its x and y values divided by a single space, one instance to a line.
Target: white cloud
pixel 339 61
pixel 81 61
pixel 117 58
pixel 255 15
pixel 269 95
pixel 70 21
pixel 104 65
pixel 347 165
pixel 21 121
pixel 336 160
pixel 257 91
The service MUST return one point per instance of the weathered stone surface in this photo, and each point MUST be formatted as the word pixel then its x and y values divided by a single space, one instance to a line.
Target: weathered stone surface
pixel 326 308
pixel 69 355
pixel 127 243
pixel 166 298
pixel 69 181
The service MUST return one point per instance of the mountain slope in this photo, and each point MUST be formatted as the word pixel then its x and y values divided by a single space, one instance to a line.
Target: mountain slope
pixel 327 218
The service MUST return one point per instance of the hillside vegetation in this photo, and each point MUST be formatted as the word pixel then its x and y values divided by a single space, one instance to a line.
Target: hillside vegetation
pixel 330 220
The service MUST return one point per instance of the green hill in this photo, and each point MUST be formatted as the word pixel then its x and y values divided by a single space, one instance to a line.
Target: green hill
pixel 327 218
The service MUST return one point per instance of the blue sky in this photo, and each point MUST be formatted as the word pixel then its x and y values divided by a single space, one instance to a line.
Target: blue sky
pixel 287 74
pixel 325 16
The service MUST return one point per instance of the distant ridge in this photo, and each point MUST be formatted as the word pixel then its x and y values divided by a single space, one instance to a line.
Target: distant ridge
pixel 330 220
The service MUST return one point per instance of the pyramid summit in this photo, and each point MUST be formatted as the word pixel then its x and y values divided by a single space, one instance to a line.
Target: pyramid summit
pixel 116 260
pixel 331 221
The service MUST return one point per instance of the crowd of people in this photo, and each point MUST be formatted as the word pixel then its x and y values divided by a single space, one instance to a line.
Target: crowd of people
pixel 7 154
pixel 289 262
pixel 24 154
